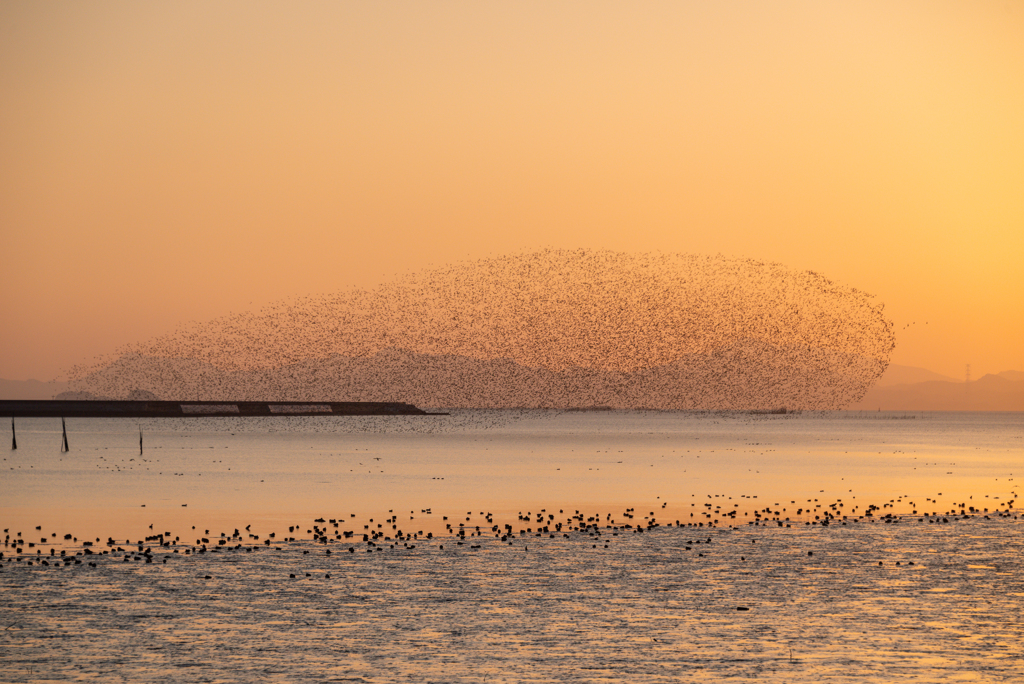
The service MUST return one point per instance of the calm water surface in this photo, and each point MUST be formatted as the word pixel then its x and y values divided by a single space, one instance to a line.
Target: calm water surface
pixel 730 505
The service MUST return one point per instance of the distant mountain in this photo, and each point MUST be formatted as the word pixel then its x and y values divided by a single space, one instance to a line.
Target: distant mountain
pixel 142 395
pixel 34 389
pixel 80 396
pixel 1002 392
pixel 30 389
pixel 906 375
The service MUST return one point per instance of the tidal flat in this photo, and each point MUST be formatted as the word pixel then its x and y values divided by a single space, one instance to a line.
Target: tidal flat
pixel 515 546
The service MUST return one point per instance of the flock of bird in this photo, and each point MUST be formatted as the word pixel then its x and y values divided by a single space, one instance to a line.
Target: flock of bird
pixel 474 532
pixel 551 329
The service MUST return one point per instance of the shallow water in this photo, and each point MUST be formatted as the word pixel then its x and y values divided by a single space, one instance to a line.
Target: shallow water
pixel 571 605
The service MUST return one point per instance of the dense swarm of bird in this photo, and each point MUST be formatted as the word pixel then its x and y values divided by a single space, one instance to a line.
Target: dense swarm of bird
pixel 551 329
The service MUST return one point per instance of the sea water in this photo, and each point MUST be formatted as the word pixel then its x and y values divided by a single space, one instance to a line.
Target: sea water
pixel 916 571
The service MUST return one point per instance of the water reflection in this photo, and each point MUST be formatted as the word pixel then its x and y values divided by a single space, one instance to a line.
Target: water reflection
pixel 771 515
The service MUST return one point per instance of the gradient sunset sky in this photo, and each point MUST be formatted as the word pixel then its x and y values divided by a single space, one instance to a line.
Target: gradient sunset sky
pixel 168 162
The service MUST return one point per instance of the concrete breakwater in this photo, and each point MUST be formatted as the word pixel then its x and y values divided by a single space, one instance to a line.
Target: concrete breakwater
pixel 184 409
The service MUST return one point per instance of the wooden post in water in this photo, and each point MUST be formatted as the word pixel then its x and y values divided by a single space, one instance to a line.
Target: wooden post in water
pixel 14 436
pixel 64 437
pixel 140 440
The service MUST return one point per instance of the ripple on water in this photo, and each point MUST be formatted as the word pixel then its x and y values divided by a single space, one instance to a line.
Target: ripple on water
pixel 645 610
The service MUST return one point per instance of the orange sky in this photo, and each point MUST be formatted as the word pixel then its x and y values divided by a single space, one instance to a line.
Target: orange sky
pixel 161 163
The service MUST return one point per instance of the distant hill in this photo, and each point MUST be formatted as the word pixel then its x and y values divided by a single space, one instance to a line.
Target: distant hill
pixel 906 375
pixel 1002 392
pixel 30 389
pixel 79 396
pixel 34 389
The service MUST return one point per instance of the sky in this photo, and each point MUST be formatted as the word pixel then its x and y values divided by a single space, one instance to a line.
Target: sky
pixel 162 163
